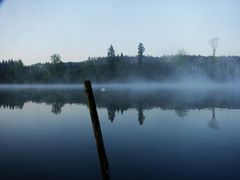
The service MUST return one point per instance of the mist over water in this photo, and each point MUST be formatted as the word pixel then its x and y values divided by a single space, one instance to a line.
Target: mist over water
pixel 125 96
pixel 41 86
pixel 135 85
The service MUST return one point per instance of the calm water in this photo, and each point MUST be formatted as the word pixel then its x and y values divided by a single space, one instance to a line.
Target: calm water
pixel 165 133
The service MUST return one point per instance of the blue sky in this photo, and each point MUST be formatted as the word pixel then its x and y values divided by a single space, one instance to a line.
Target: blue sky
pixel 33 30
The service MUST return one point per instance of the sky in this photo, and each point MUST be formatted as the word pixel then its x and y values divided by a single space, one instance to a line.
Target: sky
pixel 33 30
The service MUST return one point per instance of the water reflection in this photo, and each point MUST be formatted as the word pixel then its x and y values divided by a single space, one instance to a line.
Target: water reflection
pixel 111 113
pixel 213 122
pixel 57 107
pixel 181 112
pixel 141 116
pixel 173 134
pixel 115 101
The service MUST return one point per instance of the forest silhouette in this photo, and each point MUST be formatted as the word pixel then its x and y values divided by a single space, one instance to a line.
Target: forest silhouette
pixel 124 68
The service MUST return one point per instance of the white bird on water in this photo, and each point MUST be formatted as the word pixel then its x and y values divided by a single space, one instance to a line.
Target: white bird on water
pixel 103 89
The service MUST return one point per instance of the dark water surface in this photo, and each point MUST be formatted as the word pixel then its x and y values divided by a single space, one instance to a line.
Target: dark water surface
pixel 165 133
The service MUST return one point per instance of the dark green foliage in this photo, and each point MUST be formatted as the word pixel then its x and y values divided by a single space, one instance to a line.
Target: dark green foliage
pixel 111 61
pixel 111 53
pixel 56 59
pixel 12 71
pixel 141 50
pixel 123 69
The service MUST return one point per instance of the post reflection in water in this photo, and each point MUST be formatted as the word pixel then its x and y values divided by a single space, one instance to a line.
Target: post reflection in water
pixel 97 130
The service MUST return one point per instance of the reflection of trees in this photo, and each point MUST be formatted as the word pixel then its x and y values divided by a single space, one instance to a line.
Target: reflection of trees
pixel 141 116
pixel 111 113
pixel 182 112
pixel 213 122
pixel 57 107
pixel 12 106
pixel 122 100
pixel 10 98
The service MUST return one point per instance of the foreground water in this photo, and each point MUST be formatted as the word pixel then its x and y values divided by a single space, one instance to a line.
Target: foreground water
pixel 165 133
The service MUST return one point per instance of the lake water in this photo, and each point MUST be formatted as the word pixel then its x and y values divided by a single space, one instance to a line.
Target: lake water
pixel 160 133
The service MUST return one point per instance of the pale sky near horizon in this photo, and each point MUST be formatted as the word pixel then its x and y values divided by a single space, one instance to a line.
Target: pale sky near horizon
pixel 33 30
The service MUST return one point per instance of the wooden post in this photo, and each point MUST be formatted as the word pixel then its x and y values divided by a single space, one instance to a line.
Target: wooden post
pixel 97 130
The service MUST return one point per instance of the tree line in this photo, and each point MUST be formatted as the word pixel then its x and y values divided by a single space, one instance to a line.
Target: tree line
pixel 123 68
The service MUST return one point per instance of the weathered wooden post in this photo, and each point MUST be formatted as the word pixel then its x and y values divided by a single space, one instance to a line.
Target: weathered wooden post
pixel 97 130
